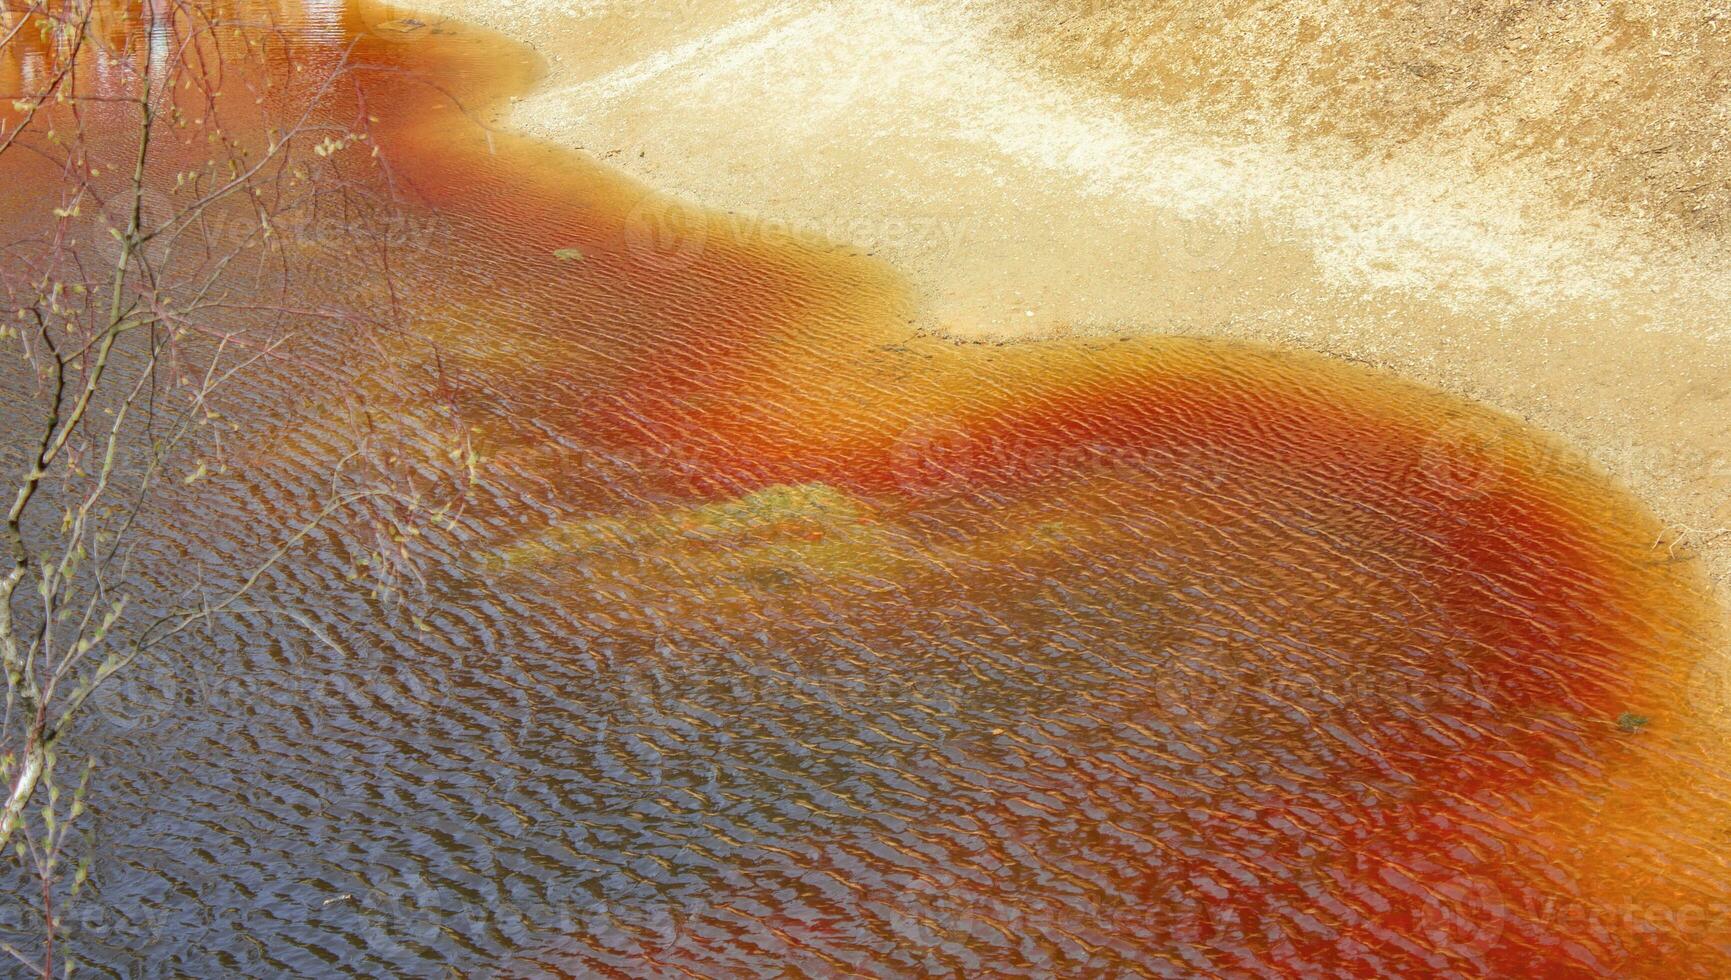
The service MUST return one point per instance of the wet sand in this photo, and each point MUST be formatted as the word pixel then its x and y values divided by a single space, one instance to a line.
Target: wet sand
pixel 1033 176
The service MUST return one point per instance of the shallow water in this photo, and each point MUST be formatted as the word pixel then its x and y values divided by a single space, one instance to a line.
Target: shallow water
pixel 779 635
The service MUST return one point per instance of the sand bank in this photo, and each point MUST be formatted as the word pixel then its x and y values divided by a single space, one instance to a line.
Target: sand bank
pixel 1503 208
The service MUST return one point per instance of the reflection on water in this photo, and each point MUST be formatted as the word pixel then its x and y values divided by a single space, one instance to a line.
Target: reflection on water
pixel 779 633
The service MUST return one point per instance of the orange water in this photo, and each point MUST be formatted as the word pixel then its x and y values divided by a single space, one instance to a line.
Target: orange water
pixel 871 652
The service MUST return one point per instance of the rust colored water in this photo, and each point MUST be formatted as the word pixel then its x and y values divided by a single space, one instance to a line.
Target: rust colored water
pixel 781 635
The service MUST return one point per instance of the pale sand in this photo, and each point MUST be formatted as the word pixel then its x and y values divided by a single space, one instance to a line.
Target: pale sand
pixel 1033 175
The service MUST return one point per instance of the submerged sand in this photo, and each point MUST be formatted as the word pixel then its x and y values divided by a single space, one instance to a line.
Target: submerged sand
pixel 1524 207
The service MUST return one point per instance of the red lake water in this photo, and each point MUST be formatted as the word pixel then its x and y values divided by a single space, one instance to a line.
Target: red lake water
pixel 780 635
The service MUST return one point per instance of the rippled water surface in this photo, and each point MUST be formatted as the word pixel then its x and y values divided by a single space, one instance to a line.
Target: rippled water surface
pixel 778 636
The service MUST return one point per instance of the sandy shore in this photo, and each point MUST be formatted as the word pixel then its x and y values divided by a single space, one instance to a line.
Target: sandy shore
pixel 1530 212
